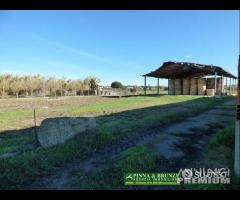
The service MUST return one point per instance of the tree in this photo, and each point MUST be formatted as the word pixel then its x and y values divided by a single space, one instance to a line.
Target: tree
pixel 116 84
pixel 40 85
pixel 4 83
pixel 53 86
pixel 73 86
pixel 93 83
pixel 86 84
pixel 16 85
pixel 80 86
pixel 62 84
pixel 31 83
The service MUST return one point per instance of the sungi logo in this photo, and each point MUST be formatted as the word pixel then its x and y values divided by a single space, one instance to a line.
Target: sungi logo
pixel 204 176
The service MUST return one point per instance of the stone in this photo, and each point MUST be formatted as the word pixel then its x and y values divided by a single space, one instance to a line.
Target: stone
pixel 53 131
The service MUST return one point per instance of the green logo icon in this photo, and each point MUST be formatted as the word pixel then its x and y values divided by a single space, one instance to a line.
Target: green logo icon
pixel 151 179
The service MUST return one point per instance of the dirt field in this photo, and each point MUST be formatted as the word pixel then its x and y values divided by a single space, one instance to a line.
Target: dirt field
pixel 18 113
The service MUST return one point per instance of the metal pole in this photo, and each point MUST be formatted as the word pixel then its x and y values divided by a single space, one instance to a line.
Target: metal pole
pixel 158 92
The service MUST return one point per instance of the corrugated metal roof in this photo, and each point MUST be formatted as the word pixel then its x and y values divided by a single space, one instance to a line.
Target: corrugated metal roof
pixel 174 70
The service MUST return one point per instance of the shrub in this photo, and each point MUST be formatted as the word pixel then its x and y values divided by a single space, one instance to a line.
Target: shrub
pixel 116 84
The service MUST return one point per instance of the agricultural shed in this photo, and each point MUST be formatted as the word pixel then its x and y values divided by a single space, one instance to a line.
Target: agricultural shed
pixel 186 78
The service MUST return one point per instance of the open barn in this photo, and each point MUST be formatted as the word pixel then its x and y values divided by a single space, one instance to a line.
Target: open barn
pixel 186 78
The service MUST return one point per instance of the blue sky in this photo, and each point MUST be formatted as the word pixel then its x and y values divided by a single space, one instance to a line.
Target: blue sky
pixel 115 45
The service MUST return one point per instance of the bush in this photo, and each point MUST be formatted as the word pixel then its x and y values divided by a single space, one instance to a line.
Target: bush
pixel 116 84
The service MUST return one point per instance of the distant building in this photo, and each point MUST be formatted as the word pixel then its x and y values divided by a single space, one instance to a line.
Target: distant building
pixel 193 79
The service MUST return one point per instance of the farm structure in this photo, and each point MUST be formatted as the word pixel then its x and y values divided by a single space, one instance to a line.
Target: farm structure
pixel 186 78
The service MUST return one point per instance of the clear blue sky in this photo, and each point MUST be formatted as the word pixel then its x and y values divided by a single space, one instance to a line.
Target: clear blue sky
pixel 115 45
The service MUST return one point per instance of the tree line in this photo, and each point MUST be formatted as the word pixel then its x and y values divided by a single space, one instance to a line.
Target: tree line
pixel 38 85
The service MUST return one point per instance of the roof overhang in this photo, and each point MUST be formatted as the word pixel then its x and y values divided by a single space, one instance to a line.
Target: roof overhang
pixel 179 70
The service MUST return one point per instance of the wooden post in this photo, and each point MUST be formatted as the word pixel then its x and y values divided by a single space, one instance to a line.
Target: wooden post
pixel 230 86
pixel 215 84
pixel 158 92
pixel 236 85
pixel 35 128
pixel 189 89
pixel 222 86
pixel 145 87
pixel 34 118
pixel 226 86
pixel 197 85
pixel 181 86
pixel 237 128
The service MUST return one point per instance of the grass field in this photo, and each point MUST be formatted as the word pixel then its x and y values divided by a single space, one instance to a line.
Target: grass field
pixel 116 119
pixel 18 113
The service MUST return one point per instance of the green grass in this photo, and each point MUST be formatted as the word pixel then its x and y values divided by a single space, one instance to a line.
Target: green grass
pixel 127 103
pixel 14 118
pixel 136 159
pixel 31 163
pixel 220 154
pixel 18 144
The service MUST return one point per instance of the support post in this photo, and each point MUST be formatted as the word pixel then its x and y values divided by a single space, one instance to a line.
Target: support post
pixel 226 87
pixel 189 89
pixel 236 86
pixel 230 86
pixel 168 86
pixel 215 84
pixel 237 128
pixel 181 86
pixel 174 91
pixel 222 85
pixel 197 85
pixel 145 85
pixel 158 90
